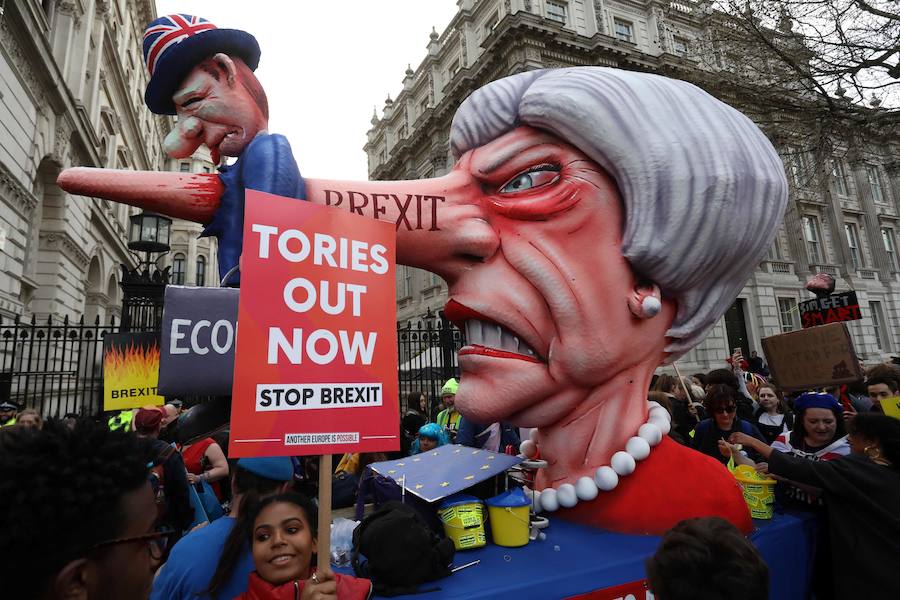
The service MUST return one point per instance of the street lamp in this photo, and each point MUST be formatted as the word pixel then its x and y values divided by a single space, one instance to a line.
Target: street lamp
pixel 149 233
pixel 143 291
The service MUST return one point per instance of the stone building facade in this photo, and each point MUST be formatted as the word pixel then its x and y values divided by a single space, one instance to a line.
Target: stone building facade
pixel 844 222
pixel 71 94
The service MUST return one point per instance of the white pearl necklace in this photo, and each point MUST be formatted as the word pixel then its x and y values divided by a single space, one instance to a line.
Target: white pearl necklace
pixel 606 478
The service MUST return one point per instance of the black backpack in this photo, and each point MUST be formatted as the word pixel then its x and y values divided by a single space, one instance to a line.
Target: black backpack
pixel 399 551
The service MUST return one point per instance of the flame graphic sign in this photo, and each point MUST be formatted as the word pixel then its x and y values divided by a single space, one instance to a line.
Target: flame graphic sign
pixel 130 370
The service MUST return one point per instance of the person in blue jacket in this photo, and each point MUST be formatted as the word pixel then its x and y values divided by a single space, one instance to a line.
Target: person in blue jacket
pixel 188 572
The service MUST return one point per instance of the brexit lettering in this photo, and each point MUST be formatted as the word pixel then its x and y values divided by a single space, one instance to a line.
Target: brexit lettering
pixel 133 392
pixel 411 209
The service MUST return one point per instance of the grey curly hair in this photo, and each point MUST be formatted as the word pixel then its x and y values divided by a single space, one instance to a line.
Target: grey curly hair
pixel 703 188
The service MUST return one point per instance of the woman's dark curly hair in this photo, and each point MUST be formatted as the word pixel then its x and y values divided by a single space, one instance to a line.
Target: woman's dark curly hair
pixel 61 493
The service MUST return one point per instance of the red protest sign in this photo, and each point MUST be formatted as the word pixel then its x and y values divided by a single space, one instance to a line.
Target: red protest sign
pixel 315 368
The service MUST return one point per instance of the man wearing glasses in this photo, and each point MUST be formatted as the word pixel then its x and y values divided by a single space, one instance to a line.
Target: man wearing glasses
pixel 77 514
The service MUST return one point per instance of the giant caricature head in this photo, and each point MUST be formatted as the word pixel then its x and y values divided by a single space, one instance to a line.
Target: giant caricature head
pixel 204 75
pixel 600 187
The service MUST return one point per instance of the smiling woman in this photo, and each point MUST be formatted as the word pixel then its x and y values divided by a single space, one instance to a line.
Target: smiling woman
pixel 282 535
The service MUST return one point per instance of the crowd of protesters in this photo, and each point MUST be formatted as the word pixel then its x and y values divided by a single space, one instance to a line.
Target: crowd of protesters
pixel 114 510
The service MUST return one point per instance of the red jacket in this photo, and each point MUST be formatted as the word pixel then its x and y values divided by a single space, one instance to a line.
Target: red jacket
pixel 348 588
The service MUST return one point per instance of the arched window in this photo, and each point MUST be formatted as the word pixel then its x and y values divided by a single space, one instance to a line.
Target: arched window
pixel 178 269
pixel 201 271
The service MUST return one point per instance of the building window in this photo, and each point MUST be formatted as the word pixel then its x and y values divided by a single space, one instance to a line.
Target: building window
pixel 423 106
pixel 624 30
pixel 838 176
pixel 490 24
pixel 185 167
pixel 201 271
pixel 881 341
pixel 813 239
pixel 853 242
pixel 206 169
pixel 680 45
pixel 799 167
pixel 887 237
pixel 178 269
pixel 453 69
pixel 787 314
pixel 875 184
pixel 557 11
pixel 774 252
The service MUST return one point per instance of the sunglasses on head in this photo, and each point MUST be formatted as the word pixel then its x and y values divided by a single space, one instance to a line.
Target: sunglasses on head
pixel 725 409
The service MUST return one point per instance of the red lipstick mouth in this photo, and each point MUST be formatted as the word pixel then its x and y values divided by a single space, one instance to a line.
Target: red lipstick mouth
pixel 486 337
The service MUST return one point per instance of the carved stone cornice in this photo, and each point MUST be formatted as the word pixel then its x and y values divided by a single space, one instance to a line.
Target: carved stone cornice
pixel 102 8
pixel 15 194
pixel 20 62
pixel 63 242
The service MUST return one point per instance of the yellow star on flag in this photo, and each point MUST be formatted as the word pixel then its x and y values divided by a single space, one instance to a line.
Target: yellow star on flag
pixel 419 486
pixel 470 477
pixel 485 467
pixel 445 484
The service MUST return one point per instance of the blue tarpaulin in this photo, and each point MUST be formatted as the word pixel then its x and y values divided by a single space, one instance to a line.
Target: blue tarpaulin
pixel 575 559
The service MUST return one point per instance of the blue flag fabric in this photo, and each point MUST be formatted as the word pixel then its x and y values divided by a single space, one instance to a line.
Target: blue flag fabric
pixel 445 470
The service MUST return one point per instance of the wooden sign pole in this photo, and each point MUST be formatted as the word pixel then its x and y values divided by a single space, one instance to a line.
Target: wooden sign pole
pixel 687 394
pixel 323 557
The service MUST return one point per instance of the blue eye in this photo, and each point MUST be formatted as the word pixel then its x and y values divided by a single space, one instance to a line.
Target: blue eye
pixel 534 178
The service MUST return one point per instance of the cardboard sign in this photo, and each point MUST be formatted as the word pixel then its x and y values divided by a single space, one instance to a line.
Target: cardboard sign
pixel 835 308
pixel 811 358
pixel 316 364
pixel 130 370
pixel 891 406
pixel 199 330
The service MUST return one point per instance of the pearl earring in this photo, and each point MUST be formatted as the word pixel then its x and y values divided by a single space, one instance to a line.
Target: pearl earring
pixel 650 307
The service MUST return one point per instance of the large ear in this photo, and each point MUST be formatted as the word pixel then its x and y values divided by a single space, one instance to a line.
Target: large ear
pixel 71 583
pixel 227 65
pixel 645 300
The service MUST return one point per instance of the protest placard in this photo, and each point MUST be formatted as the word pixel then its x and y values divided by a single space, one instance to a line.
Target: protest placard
pixel 815 357
pixel 891 406
pixel 835 308
pixel 130 370
pixel 198 336
pixel 316 360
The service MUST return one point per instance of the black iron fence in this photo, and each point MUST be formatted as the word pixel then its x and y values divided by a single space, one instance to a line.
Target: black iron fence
pixel 427 358
pixel 53 366
pixel 56 366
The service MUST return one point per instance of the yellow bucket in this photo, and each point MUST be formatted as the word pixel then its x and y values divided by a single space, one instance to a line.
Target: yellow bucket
pixel 463 519
pixel 759 492
pixel 509 518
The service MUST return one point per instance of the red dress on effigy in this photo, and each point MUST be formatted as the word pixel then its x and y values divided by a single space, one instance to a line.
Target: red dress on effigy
pixel 672 484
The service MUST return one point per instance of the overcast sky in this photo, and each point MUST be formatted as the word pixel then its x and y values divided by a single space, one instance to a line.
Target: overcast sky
pixel 325 65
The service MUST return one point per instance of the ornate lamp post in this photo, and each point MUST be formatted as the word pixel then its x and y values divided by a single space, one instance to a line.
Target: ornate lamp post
pixel 144 287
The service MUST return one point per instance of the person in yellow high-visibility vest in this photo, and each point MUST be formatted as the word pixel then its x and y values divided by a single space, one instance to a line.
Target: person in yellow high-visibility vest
pixel 449 417
pixel 8 412
pixel 121 420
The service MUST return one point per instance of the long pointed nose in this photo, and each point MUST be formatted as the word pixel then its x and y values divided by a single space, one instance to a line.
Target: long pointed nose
pixel 440 222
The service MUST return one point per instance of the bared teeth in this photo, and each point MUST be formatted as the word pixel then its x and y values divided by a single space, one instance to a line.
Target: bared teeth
pixel 491 335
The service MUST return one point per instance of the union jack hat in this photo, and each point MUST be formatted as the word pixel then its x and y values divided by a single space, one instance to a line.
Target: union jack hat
pixel 175 44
